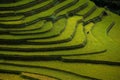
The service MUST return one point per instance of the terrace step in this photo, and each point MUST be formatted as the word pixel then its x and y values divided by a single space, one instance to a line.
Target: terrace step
pixel 36 17
pixel 11 18
pixel 77 68
pixel 36 76
pixel 76 51
pixel 32 10
pixel 81 4
pixel 56 30
pixel 9 1
pixel 68 32
pixel 60 40
pixel 88 10
pixel 112 48
pixel 19 5
pixel 10 76
pixel 48 26
pixel 96 13
pixel 33 27
pixel 77 37
pixel 37 36
pixel 58 73
pixel 114 30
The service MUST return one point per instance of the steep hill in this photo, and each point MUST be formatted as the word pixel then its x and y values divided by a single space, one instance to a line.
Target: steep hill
pixel 58 40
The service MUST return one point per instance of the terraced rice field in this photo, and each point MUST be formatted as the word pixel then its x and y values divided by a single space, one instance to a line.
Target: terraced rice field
pixel 58 40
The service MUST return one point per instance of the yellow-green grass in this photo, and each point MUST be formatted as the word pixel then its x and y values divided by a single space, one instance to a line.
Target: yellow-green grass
pixel 85 11
pixel 78 40
pixel 46 27
pixel 48 12
pixel 96 13
pixel 57 29
pixel 2 12
pixel 30 8
pixel 37 76
pixel 103 72
pixel 79 35
pixel 115 30
pixel 99 31
pixel 63 75
pixel 7 76
pixel 11 18
pixel 35 7
pixel 75 6
pixel 70 27
pixel 76 51
pixel 93 45
pixel 35 26
pixel 20 14
pixel 15 17
pixel 99 39
pixel 90 5
pixel 41 14
pixel 22 2
pixel 67 33
pixel 13 22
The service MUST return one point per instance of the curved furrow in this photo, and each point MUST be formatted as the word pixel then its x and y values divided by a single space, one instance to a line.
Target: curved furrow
pixel 80 8
pixel 32 27
pixel 37 76
pixel 32 10
pixel 18 7
pixel 59 27
pixel 78 37
pixel 45 70
pixel 69 30
pixel 88 10
pixel 21 75
pixel 100 32
pixel 58 40
pixel 34 18
pixel 89 61
pixel 48 26
pixel 26 12
pixel 11 18
pixel 10 76
pixel 64 46
pixel 80 68
pixel 97 18
pixel 80 5
pixel 15 4
pixel 96 13
pixel 93 46
pixel 115 29
pixel 9 1
pixel 39 25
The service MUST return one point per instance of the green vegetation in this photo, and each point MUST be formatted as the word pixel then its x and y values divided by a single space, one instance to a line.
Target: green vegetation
pixel 72 8
pixel 37 76
pixel 11 18
pixel 16 4
pixel 58 40
pixel 6 76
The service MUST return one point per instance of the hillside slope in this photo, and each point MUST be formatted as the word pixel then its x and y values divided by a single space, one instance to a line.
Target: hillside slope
pixel 58 40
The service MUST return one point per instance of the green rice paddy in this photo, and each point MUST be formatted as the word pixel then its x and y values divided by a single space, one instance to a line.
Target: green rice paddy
pixel 58 40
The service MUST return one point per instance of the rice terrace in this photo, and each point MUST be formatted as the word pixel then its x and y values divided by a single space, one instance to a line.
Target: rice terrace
pixel 59 40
